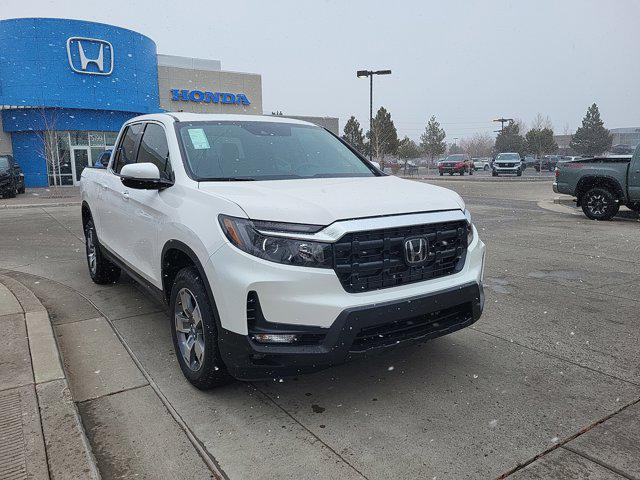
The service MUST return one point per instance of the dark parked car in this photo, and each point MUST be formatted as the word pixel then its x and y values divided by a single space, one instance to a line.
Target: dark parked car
pixel 548 162
pixel 11 177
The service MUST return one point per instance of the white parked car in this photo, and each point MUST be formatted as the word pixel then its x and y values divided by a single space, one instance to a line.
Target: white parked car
pixel 278 248
pixel 481 164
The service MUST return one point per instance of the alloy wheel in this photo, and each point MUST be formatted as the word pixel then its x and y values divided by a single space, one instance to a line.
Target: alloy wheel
pixel 597 204
pixel 189 329
pixel 91 251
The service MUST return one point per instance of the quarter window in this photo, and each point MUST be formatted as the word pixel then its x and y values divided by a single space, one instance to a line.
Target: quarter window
pixel 154 149
pixel 126 152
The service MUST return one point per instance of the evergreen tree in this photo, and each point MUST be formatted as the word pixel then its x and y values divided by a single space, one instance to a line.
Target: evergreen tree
pixel 384 139
pixel 432 140
pixel 353 134
pixel 408 149
pixel 540 141
pixel 454 148
pixel 510 140
pixel 591 138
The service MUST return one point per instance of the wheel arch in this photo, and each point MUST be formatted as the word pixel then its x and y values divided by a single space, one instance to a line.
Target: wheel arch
pixel 175 256
pixel 86 214
pixel 588 182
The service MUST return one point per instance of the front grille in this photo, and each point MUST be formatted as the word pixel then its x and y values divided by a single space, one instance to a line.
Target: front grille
pixel 375 259
pixel 428 325
pixel 506 165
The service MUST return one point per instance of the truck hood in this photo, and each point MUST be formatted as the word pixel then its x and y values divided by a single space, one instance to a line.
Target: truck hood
pixel 322 201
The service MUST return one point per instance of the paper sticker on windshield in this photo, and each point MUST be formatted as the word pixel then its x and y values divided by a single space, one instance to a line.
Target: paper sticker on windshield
pixel 198 139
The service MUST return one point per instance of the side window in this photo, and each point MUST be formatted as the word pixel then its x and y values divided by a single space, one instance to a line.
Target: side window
pixel 126 150
pixel 154 149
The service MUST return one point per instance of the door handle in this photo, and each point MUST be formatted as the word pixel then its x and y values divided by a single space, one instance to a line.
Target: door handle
pixel 125 195
pixel 104 186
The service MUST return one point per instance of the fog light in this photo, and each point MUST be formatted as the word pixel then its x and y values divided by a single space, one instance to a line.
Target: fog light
pixel 275 338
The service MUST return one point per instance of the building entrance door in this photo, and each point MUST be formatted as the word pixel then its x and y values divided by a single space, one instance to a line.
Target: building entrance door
pixel 79 160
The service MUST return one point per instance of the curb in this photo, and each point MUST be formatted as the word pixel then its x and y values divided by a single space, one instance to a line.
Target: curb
pixel 570 202
pixel 478 179
pixel 39 205
pixel 68 451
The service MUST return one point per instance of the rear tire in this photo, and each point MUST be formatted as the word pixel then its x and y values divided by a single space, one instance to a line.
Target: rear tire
pixel 599 204
pixel 486 168
pixel 441 174
pixel 194 332
pixel 102 271
pixel 11 193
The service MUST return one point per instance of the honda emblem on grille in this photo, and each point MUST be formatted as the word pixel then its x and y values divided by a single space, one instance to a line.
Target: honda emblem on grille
pixel 416 250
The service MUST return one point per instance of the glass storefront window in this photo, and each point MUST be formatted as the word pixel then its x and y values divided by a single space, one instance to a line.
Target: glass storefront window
pixel 69 152
pixel 79 138
pixel 110 138
pixel 96 139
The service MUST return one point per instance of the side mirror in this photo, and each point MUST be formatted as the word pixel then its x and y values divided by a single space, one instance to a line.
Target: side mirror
pixel 376 164
pixel 143 176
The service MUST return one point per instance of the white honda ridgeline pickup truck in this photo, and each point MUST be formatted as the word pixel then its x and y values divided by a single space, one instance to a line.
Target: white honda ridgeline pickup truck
pixel 278 248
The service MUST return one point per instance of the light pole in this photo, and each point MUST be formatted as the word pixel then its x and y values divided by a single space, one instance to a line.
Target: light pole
pixel 502 121
pixel 370 74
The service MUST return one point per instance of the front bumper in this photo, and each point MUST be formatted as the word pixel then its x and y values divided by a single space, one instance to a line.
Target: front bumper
pixel 357 332
pixel 296 298
pixel 451 170
pixel 506 170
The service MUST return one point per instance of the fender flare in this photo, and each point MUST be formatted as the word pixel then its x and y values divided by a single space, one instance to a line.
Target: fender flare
pixel 184 248
pixel 604 179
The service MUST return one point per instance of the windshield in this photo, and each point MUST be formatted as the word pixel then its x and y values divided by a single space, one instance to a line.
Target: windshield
pixel 4 163
pixel 455 158
pixel 508 156
pixel 245 150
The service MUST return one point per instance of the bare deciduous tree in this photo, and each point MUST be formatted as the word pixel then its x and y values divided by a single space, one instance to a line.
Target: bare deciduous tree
pixel 48 147
pixel 480 145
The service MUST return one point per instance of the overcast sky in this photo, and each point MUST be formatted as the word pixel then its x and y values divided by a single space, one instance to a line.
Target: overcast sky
pixel 465 62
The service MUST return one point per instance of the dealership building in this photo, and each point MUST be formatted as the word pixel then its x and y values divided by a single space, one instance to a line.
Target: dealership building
pixel 67 86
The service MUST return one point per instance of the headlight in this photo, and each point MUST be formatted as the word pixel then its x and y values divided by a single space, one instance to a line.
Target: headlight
pixel 243 234
pixel 467 215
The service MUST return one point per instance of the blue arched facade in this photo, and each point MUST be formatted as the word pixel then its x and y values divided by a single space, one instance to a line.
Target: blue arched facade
pixel 83 79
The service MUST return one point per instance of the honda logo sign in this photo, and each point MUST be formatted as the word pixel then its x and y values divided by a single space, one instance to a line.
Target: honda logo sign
pixel 416 250
pixel 90 55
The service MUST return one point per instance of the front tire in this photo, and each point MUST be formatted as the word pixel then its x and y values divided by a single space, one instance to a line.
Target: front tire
pixel 486 168
pixel 102 271
pixel 194 332
pixel 600 204
pixel 494 174
pixel 519 173
pixel 21 190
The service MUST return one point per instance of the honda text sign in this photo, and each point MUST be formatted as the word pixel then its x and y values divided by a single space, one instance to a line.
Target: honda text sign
pixel 90 55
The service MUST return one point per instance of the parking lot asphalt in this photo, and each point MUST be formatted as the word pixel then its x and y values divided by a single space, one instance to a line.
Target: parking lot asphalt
pixel 545 385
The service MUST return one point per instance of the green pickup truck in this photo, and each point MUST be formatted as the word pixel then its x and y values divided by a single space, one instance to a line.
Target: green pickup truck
pixel 601 184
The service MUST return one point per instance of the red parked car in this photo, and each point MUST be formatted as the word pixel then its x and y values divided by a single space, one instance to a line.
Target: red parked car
pixel 460 163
